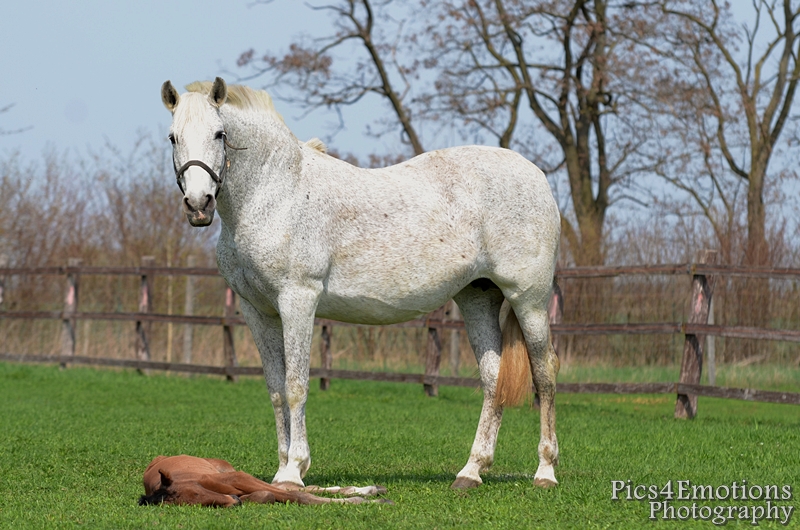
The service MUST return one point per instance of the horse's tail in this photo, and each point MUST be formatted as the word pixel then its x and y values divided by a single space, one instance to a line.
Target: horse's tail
pixel 514 382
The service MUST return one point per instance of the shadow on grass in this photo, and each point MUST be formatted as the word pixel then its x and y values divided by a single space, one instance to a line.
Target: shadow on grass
pixel 358 479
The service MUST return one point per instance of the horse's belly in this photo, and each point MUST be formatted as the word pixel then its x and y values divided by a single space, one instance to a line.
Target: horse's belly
pixel 389 296
pixel 364 310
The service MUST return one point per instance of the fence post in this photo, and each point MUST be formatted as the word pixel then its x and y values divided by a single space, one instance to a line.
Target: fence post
pixel 145 306
pixel 692 363
pixel 3 264
pixel 455 340
pixel 227 334
pixel 711 345
pixel 188 309
pixel 433 355
pixel 325 355
pixel 70 308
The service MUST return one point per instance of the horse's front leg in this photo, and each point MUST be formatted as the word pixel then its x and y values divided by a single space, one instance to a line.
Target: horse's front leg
pixel 268 335
pixel 297 308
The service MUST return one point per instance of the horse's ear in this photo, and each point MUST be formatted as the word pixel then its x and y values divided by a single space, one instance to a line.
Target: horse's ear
pixel 219 92
pixel 166 479
pixel 169 96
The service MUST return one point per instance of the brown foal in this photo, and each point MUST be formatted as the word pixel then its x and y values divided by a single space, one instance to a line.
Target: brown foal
pixel 211 482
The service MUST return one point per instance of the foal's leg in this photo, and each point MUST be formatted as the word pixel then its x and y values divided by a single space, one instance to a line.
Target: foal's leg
pixel 268 335
pixel 300 497
pixel 535 326
pixel 347 491
pixel 481 310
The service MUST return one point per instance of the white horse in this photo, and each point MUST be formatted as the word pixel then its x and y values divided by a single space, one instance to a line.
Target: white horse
pixel 306 234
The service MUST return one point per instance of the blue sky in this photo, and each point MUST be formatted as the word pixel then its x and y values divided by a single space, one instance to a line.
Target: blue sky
pixel 81 73
pixel 84 73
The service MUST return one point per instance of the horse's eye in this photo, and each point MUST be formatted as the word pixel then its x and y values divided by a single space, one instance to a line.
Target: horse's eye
pixel 220 135
pixel 171 138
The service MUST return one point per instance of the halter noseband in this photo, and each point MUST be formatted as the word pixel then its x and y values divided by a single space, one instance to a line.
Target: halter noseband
pixel 219 179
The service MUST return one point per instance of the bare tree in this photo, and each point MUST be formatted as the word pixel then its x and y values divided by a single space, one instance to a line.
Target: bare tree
pixel 567 60
pixel 727 90
pixel 14 131
pixel 138 210
pixel 724 93
pixel 375 65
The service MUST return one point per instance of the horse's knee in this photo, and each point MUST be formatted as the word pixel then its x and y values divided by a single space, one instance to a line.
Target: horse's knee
pixel 277 399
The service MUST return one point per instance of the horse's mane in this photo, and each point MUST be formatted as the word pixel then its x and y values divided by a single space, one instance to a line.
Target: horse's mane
pixel 240 96
pixel 245 97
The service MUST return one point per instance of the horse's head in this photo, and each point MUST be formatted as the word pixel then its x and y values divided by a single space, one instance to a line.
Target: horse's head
pixel 198 148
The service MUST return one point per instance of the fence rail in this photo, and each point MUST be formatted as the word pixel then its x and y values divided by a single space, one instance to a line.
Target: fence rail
pixel 703 273
pixel 571 272
pixel 746 394
pixel 656 328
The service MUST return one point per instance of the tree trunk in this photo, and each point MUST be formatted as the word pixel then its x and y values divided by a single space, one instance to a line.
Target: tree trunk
pixel 757 253
pixel 754 306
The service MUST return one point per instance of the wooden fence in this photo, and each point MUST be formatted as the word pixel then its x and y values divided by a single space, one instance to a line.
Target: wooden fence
pixel 704 274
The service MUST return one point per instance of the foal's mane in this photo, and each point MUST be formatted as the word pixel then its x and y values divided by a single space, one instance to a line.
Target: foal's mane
pixel 241 96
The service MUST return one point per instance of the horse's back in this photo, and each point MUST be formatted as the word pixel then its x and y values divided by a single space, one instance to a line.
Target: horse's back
pixel 404 239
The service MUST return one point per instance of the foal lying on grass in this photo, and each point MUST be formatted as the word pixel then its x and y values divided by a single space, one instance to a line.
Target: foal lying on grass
pixel 210 482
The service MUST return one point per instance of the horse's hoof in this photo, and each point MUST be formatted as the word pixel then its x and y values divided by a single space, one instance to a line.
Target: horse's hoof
pixel 380 490
pixel 236 500
pixel 465 483
pixel 383 501
pixel 544 482
pixel 545 477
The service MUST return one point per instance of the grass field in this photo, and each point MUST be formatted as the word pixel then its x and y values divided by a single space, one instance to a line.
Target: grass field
pixel 74 444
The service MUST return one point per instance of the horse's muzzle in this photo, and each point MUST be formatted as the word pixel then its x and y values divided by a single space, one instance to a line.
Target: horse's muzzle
pixel 200 213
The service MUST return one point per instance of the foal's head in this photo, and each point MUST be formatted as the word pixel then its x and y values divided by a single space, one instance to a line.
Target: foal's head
pixel 186 492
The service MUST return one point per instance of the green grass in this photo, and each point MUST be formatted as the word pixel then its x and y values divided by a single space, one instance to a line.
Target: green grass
pixel 74 444
pixel 765 376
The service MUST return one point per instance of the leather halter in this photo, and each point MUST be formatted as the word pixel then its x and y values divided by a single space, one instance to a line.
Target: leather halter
pixel 218 178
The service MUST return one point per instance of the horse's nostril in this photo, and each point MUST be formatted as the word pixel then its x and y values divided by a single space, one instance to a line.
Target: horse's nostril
pixel 198 206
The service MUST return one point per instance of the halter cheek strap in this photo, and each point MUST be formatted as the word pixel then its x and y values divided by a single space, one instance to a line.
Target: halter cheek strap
pixel 219 179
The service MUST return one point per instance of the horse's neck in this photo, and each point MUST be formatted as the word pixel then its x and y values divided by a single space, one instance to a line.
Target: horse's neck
pixel 265 172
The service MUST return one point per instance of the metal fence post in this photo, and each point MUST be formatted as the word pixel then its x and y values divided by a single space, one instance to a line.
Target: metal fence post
pixel 188 309
pixel 227 334
pixel 70 308
pixel 455 340
pixel 711 345
pixel 326 357
pixel 433 354
pixel 3 264
pixel 143 328
pixel 692 363
pixel 555 314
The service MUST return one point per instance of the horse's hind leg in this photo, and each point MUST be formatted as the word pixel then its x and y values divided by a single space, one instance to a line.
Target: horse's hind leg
pixel 480 307
pixel 544 364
